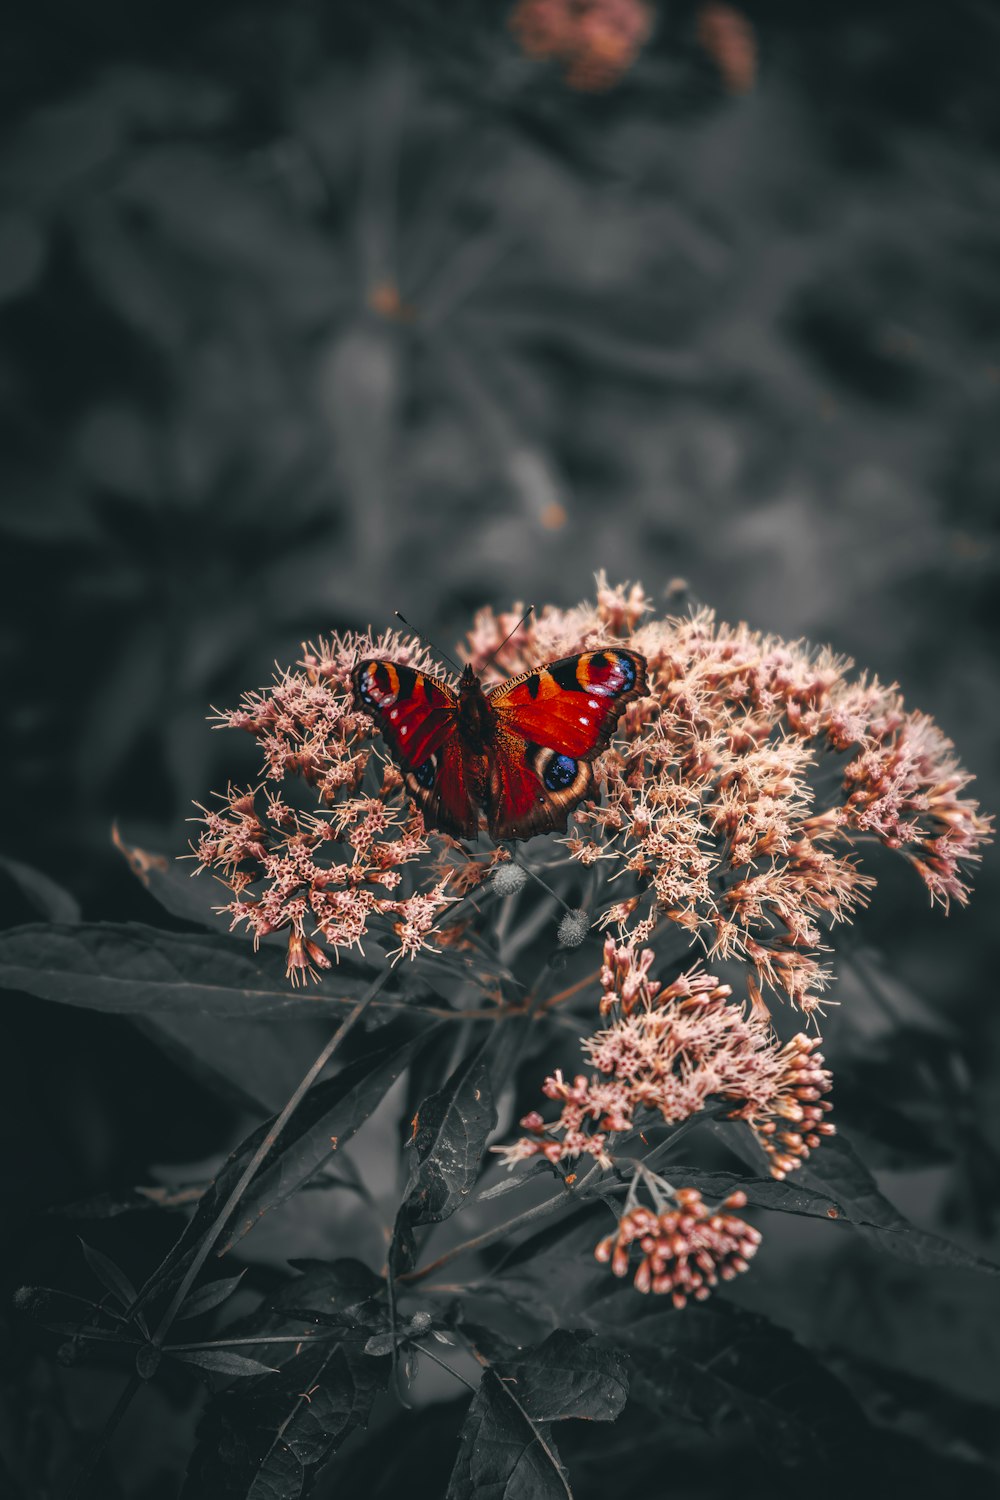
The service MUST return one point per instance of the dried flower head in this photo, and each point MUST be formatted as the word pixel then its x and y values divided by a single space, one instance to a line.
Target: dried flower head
pixel 686 1250
pixel 573 927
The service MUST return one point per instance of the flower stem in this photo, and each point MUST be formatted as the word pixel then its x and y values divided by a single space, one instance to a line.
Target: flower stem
pixel 491 1236
pixel 223 1216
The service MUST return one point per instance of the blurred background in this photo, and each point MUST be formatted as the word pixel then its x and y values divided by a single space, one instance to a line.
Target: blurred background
pixel 311 312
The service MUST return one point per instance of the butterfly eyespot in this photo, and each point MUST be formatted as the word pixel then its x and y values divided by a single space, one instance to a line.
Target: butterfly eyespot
pixel 379 684
pixel 424 773
pixel 559 773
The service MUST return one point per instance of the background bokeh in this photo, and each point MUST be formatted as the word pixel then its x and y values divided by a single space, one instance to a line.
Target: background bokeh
pixel 308 313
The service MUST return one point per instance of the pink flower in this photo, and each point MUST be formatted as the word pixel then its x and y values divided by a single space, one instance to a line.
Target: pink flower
pixel 325 865
pixel 685 1251
pixel 597 41
pixel 673 1051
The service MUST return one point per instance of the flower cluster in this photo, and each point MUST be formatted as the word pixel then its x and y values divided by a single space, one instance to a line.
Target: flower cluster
pixel 673 1051
pixel 321 873
pixel 737 794
pixel 686 1250
pixel 596 41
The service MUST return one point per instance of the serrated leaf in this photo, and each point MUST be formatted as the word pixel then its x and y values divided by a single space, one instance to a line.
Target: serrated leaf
pixel 130 969
pixel 502 1453
pixel 206 1297
pixel 569 1375
pixel 264 1440
pixel 450 1132
pixel 110 1275
pixel 221 1361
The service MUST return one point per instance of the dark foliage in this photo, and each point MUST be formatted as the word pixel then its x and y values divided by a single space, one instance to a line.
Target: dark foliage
pixel 307 313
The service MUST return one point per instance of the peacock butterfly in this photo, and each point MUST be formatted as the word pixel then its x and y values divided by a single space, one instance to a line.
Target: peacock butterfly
pixel 522 750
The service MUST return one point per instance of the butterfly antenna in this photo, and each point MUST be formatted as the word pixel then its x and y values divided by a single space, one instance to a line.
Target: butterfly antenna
pixel 494 654
pixel 427 640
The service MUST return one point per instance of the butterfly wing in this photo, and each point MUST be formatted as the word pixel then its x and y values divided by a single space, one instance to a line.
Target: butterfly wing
pixel 417 716
pixel 549 725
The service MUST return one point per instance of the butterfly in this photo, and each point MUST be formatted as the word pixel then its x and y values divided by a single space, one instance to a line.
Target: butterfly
pixel 522 750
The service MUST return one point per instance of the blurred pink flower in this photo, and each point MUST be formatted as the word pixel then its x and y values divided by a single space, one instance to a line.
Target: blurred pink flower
pixel 596 41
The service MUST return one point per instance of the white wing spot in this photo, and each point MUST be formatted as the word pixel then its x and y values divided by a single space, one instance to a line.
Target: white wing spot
pixel 592 703
pixel 394 714
pixel 584 719
pixel 404 730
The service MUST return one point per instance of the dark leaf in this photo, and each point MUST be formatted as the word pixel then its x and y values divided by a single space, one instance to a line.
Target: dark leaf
pixel 175 885
pixel 569 1375
pixel 836 1184
pixel 919 1408
pixel 502 1454
pixel 552 1276
pixel 263 1440
pixel 221 1361
pixel 328 1116
pixel 44 896
pixel 715 1361
pixel 109 1206
pixel 449 1133
pixel 837 1169
pixel 131 969
pixel 204 1298
pixel 54 1308
pixel 110 1276
pixel 345 1289
pixel 245 1062
pixel 511 1181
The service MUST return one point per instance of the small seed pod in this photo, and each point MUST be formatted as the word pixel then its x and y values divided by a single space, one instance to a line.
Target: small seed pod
pixel 574 928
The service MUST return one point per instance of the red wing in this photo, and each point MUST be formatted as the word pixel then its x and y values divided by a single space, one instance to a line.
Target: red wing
pixel 571 706
pixel 550 723
pixel 532 790
pixel 417 717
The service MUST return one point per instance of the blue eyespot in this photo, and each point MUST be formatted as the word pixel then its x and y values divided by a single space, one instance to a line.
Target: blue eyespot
pixel 627 668
pixel 559 773
pixel 424 773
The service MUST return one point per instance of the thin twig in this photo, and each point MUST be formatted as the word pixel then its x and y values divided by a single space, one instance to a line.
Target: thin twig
pixel 445 1366
pixel 224 1214
pixel 490 1236
pixel 81 1484
pixel 571 990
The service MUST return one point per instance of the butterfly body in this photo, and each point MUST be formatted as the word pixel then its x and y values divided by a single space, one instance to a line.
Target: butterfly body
pixel 522 750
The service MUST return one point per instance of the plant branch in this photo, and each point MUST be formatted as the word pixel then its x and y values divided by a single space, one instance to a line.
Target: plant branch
pixel 500 1231
pixel 81 1484
pixel 224 1214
